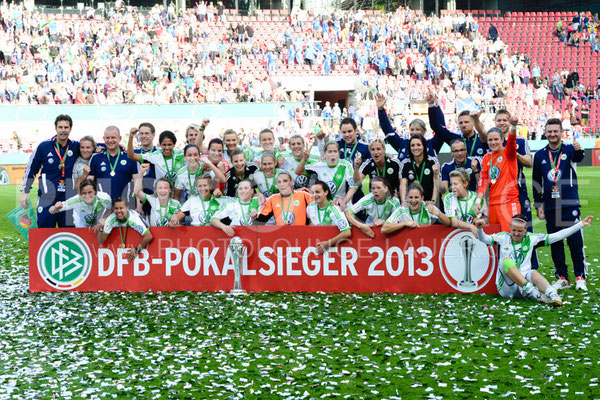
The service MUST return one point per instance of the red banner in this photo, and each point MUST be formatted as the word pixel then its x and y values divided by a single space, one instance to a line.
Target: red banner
pixel 433 259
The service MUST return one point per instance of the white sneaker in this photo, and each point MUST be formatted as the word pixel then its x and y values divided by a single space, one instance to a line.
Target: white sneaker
pixel 544 299
pixel 555 299
pixel 580 284
pixel 561 283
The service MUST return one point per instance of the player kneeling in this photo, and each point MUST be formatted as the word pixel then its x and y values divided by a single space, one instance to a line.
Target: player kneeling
pixel 515 278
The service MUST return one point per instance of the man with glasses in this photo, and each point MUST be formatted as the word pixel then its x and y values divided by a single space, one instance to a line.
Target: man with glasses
pixel 460 160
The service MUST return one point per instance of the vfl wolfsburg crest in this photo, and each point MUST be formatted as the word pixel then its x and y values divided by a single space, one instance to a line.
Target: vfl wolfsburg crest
pixel 64 261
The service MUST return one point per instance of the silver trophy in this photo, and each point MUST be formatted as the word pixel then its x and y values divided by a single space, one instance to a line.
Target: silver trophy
pixel 236 246
pixel 467 245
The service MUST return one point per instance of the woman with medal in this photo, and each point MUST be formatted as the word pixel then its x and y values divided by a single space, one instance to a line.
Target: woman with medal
pixel 81 169
pixel 89 206
pixel 239 171
pixel 322 212
pixel 288 207
pixel 499 173
pixel 332 170
pixel 186 176
pixel 420 168
pixel 379 165
pixel 239 210
pixel 162 205
pixel 266 178
pixel 200 207
pixel 122 218
pixel 378 206
pixel 167 161
pixel 515 276
pixel 215 156
pixel 459 203
pixel 418 212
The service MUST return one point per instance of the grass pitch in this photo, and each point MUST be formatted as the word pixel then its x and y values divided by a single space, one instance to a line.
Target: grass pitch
pixel 296 345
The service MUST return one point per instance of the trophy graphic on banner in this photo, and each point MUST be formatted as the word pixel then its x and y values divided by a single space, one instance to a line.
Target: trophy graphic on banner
pixel 467 245
pixel 237 249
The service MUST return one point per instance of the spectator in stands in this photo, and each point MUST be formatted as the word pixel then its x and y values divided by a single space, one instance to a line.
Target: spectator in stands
pixel 492 33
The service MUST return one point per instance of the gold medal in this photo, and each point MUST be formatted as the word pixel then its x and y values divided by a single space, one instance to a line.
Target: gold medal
pixel 112 173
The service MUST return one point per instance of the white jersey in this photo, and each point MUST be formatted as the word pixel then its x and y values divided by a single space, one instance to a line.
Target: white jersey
pixel 338 178
pixel 289 165
pixel 133 221
pixel 248 152
pixel 236 211
pixel 257 156
pixel 520 252
pixel 330 215
pixel 374 209
pixel 462 209
pixel 267 185
pixel 421 217
pixel 87 215
pixel 200 210
pixel 186 180
pixel 161 215
pixel 164 167
pixel 78 168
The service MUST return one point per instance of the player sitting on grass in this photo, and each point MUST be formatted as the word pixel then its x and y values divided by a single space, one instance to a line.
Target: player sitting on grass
pixel 515 278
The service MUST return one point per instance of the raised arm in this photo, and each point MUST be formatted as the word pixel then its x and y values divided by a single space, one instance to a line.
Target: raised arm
pixel 138 186
pixel 478 126
pixel 300 168
pixel 481 235
pixel 130 152
pixel 200 137
pixel 391 136
pixel 565 233
pixel 219 175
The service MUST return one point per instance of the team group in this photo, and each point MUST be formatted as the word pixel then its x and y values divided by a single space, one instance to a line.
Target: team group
pixel 224 184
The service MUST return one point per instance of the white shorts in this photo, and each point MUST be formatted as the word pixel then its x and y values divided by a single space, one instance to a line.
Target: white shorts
pixel 507 288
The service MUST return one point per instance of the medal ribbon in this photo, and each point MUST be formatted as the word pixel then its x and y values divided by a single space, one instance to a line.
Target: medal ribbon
pixel 555 168
pixel 284 215
pixel 113 167
pixel 168 175
pixel 123 233
pixel 351 152
pixel 377 169
pixel 204 210
pixel 62 159
pixel 324 212
pixel 160 210
pixel 470 152
pixel 245 215
pixel 272 190
pixel 420 178
pixel 524 244
pixel 193 190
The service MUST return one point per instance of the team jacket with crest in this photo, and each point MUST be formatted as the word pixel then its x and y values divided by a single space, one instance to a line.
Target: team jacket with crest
pixel 543 177
pixel 45 158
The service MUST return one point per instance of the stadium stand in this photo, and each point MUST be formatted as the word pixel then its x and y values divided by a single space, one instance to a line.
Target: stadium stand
pixel 165 56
